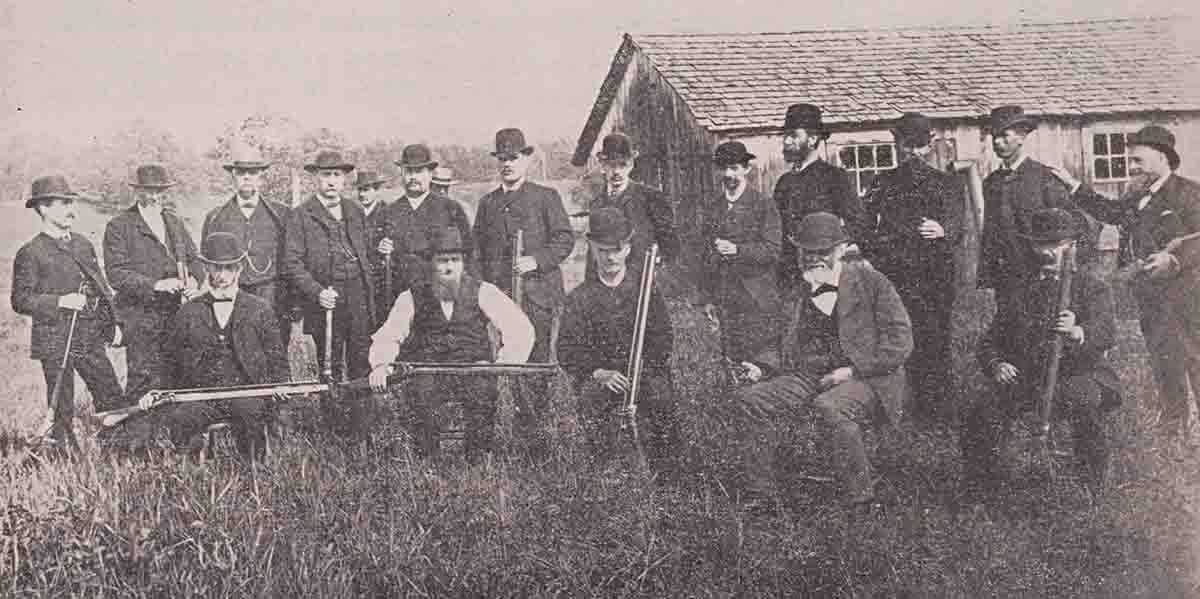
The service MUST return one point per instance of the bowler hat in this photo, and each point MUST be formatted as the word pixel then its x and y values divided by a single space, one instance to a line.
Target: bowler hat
pixel 1159 138
pixel 416 156
pixel 368 179
pixel 912 130
pixel 329 159
pixel 807 117
pixel 246 157
pixel 51 187
pixel 732 152
pixel 510 142
pixel 616 146
pixel 1010 117
pixel 818 231
pixel 222 248
pixel 444 240
pixel 1051 224
pixel 152 176
pixel 609 226
pixel 442 175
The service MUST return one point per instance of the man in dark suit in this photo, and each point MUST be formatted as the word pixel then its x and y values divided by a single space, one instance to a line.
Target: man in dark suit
pixel 916 215
pixel 842 352
pixel 152 264
pixel 813 185
pixel 327 263
pixel 1159 253
pixel 741 233
pixel 370 196
pixel 648 209
pixel 1016 349
pixel 54 274
pixel 522 205
pixel 260 223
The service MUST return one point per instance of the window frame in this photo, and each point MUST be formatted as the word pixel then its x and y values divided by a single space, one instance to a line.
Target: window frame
pixel 856 171
pixel 1093 157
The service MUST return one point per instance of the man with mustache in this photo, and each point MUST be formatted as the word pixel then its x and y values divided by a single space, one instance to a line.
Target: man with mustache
pixel 841 353
pixel 443 178
pixel 369 186
pixel 444 317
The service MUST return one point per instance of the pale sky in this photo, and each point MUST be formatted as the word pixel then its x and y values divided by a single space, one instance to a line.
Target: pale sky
pixel 379 70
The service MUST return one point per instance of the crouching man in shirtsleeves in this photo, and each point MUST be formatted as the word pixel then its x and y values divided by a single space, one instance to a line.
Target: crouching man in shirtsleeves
pixel 444 318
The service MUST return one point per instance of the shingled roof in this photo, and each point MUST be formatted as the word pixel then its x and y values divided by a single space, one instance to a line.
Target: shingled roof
pixel 734 82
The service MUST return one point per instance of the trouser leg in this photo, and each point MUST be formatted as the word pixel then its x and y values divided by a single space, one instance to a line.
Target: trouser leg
pixel 423 398
pixel 841 412
pixel 64 415
pixel 478 397
pixel 1079 398
pixel 754 415
pixel 531 393
pixel 658 417
pixel 928 366
pixel 96 370
pixel 983 433
pixel 1165 346
pixel 598 418
pixel 146 357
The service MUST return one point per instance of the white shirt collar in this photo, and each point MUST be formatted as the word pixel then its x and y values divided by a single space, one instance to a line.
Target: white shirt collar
pixel 417 201
pixel 616 283
pixel 1018 163
pixel 54 232
pixel 507 188
pixel 369 209
pixel 1157 185
pixel 737 193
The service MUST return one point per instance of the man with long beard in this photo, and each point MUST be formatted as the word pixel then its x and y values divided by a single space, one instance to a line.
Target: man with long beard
pixel 444 318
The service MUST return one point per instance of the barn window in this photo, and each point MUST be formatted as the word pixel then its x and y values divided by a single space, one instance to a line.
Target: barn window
pixel 864 161
pixel 1109 159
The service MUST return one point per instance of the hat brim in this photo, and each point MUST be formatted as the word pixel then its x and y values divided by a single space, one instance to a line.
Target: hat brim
pixel 35 200
pixel 430 164
pixel 165 185
pixel 429 253
pixel 1025 122
pixel 375 183
pixel 813 245
pixel 227 262
pixel 247 166
pixel 345 168
pixel 604 156
pixel 444 182
pixel 527 150
pixel 726 161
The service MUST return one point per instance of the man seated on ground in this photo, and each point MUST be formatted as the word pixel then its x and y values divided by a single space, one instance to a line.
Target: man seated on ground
pixel 597 329
pixel 845 340
pixel 444 319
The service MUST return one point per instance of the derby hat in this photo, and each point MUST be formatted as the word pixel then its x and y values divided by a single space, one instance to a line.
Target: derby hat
pixel 444 240
pixel 616 146
pixel 368 179
pixel 1010 117
pixel 222 248
pixel 818 231
pixel 51 187
pixel 416 156
pixel 246 157
pixel 329 159
pixel 609 226
pixel 510 142
pixel 152 176
pixel 442 175
pixel 732 152
pixel 912 130
pixel 807 117
pixel 1159 138
pixel 1052 224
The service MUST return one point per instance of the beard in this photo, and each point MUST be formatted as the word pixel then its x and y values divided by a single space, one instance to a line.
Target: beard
pixel 446 289
pixel 798 154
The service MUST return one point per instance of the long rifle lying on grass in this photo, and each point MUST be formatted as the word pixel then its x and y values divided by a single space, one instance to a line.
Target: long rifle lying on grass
pixel 633 367
pixel 1066 272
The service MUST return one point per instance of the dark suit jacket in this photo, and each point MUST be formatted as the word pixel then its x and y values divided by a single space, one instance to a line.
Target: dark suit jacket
pixel 307 263
pixel 43 271
pixel 653 220
pixel 409 231
pixel 218 218
pixel 538 211
pixel 753 225
pixel 135 260
pixel 873 329
pixel 257 343
pixel 820 187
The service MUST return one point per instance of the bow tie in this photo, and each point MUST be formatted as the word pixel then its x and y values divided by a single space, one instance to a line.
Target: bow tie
pixel 825 288
pixel 216 300
pixel 248 205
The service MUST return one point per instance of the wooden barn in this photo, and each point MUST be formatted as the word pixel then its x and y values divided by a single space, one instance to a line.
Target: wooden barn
pixel 1091 83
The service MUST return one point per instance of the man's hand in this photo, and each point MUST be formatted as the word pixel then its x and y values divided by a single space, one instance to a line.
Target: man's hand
pixel 378 377
pixel 328 298
pixel 72 301
pixel 1066 325
pixel 524 264
pixel 118 335
pixel 171 285
pixel 191 289
pixel 612 380
pixel 931 229
pixel 710 312
pixel 725 247
pixel 1065 176
pixel 1005 373
pixel 147 401
pixel 386 246
pixel 1160 265
pixel 837 377
pixel 281 396
pixel 753 372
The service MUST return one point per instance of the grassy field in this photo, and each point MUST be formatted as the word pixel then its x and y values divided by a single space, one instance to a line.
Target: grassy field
pixel 316 520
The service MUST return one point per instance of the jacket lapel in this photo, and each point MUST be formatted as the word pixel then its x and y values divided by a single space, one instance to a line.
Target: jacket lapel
pixel 847 295
pixel 353 216
pixel 144 228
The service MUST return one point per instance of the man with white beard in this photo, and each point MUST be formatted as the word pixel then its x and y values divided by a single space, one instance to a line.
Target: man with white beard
pixel 444 317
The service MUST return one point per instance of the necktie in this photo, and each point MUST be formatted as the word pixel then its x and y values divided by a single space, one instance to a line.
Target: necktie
pixel 825 288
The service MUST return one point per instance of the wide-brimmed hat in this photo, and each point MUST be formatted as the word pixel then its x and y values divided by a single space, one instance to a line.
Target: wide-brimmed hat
pixel 1159 138
pixel 416 156
pixel 807 117
pixel 732 152
pixel 368 179
pixel 616 146
pixel 329 159
pixel 442 175
pixel 1010 117
pixel 818 231
pixel 50 187
pixel 912 130
pixel 1051 224
pixel 443 240
pixel 609 226
pixel 510 142
pixel 246 157
pixel 222 248
pixel 152 176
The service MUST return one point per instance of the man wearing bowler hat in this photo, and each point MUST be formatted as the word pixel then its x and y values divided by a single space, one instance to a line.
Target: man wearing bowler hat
pixel 152 264
pixel 369 185
pixel 812 185
pixel 443 178
pixel 1159 218
pixel 444 317
pixel 55 276
pixel 260 223
pixel 841 351
pixel 327 263
pixel 537 211
pixel 741 235
pixel 916 213
pixel 647 208
pixel 1014 352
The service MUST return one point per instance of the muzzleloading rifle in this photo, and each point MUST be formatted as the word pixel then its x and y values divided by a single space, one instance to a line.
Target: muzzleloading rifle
pixel 53 412
pixel 518 249
pixel 1045 403
pixel 633 367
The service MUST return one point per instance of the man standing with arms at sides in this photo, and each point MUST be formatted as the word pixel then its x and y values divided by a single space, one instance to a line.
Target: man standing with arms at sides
pixel 369 185
pixel 917 215
pixel 813 185
pixel 55 276
pixel 327 264
pixel 145 250
pixel 647 209
pixel 260 224
pixel 537 211
pixel 741 243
